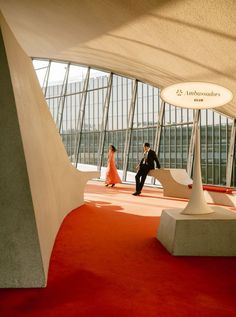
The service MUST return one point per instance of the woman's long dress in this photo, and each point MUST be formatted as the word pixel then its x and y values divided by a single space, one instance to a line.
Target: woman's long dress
pixel 112 176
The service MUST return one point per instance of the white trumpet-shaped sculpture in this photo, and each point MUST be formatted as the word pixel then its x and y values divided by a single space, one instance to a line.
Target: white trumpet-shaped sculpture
pixel 197 203
pixel 198 229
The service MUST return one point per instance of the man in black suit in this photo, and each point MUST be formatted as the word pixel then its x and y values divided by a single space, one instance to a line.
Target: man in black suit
pixel 146 164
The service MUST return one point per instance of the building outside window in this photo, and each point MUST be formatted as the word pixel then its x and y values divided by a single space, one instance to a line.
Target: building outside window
pixel 93 109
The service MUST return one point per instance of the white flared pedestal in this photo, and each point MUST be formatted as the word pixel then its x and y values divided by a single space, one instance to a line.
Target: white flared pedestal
pixel 198 229
pixel 197 204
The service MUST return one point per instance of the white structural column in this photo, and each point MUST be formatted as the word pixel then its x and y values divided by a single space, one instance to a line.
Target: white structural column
pixel 156 146
pixel 129 129
pixel 104 121
pixel 192 142
pixel 230 160
pixel 80 120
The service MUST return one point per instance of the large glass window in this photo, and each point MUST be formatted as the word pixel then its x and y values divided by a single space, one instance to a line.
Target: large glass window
pixel 78 97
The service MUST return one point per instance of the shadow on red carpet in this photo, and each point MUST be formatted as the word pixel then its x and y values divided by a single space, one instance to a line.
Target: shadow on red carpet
pixel 107 263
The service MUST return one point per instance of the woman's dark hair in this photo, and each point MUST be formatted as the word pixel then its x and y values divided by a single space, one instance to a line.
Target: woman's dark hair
pixel 113 148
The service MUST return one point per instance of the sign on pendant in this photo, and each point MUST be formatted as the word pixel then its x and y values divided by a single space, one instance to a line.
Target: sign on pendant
pixel 196 95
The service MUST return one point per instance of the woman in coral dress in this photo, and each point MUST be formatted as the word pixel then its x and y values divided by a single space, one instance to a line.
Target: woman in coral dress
pixel 112 176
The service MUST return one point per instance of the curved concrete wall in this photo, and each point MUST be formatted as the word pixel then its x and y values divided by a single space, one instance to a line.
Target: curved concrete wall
pixel 44 185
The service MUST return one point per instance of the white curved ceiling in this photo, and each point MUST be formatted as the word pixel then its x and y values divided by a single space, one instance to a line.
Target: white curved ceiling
pixel 158 42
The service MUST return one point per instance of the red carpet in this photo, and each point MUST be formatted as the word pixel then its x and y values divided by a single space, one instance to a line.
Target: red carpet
pixel 107 263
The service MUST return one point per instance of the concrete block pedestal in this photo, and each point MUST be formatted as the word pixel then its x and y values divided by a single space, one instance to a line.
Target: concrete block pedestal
pixel 198 235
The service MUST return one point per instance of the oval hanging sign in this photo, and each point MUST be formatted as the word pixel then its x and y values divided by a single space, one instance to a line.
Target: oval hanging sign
pixel 196 95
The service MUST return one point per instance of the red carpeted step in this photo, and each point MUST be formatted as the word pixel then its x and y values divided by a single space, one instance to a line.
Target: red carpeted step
pixel 219 189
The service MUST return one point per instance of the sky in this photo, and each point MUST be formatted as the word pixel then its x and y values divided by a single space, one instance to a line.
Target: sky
pixel 58 70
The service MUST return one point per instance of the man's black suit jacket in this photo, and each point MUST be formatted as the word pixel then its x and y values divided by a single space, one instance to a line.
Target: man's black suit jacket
pixel 152 157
